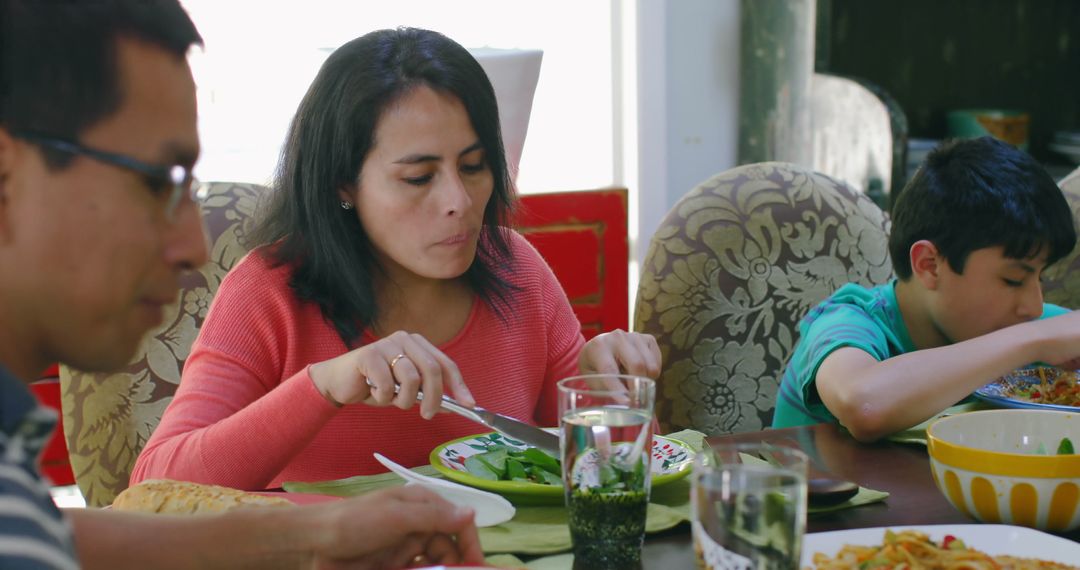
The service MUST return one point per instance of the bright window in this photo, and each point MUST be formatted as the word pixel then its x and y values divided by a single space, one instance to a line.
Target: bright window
pixel 261 56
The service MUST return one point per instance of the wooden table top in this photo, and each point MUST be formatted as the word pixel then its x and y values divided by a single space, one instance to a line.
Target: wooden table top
pixel 903 470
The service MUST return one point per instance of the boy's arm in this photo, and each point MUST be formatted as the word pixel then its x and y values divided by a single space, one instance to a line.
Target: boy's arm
pixel 875 398
pixel 384 529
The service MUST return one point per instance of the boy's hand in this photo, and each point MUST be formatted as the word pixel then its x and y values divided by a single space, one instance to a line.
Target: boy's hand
pixel 1058 340
pixel 1073 364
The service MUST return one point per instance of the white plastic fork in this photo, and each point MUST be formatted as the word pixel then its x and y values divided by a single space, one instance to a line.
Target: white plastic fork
pixel 491 509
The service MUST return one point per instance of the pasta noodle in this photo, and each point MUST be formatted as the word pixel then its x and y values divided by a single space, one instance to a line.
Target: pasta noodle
pixel 1061 388
pixel 913 550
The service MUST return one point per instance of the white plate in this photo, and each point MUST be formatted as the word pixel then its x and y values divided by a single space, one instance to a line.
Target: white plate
pixel 993 539
pixel 1003 391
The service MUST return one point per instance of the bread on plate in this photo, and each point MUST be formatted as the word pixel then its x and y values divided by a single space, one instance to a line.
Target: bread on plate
pixel 182 497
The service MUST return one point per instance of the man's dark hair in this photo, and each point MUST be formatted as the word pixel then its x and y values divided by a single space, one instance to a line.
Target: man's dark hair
pixel 331 135
pixel 970 194
pixel 59 73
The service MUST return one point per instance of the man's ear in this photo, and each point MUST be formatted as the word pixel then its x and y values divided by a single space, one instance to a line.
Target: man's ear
pixel 7 160
pixel 926 263
pixel 7 167
pixel 14 158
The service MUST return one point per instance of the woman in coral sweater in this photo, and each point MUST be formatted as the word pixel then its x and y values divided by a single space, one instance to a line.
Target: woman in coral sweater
pixel 384 268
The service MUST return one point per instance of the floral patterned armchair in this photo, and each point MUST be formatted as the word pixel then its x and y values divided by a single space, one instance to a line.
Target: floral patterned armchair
pixel 109 417
pixel 1061 283
pixel 733 267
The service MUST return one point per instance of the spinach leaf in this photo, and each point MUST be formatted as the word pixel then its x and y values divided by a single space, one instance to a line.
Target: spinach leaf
pixel 506 463
pixel 477 467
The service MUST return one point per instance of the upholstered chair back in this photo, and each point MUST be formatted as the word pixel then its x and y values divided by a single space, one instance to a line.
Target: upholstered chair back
pixel 733 267
pixel 109 417
pixel 851 133
pixel 1061 283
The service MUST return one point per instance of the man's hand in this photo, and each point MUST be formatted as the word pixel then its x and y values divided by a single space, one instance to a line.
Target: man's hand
pixel 394 528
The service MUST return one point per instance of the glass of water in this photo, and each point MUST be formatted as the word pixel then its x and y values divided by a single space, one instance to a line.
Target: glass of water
pixel 748 507
pixel 606 446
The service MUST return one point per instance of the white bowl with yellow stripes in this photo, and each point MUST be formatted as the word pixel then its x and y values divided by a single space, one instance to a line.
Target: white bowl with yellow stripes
pixel 1001 466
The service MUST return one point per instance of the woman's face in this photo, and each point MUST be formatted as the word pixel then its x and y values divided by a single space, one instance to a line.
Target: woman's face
pixel 423 188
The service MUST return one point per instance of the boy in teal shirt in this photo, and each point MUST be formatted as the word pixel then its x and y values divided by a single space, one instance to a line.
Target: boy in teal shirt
pixel 971 235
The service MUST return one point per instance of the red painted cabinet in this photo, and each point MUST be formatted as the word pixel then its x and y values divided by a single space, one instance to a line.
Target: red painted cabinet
pixel 583 237
pixel 54 459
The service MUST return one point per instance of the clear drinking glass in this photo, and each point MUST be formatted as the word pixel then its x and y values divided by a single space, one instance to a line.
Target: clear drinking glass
pixel 748 507
pixel 606 445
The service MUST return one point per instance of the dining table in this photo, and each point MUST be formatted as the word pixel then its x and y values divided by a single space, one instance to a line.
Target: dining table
pixel 901 469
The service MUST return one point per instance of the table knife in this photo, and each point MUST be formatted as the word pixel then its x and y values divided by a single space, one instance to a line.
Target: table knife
pixel 506 425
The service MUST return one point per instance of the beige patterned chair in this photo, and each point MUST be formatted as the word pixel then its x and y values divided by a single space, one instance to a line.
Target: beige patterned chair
pixel 1061 283
pixel 734 266
pixel 109 417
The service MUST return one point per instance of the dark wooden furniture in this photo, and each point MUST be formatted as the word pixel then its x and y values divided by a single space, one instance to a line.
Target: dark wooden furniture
pixel 901 469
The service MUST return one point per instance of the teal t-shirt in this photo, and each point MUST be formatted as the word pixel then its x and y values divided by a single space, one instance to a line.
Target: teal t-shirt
pixel 867 319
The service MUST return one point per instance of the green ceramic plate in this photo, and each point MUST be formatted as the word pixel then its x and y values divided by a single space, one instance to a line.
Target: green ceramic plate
pixel 671 461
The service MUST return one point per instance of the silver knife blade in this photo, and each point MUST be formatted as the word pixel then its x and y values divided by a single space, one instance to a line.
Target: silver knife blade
pixel 506 425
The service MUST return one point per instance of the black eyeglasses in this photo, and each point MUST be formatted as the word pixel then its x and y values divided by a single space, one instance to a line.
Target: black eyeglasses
pixel 171 181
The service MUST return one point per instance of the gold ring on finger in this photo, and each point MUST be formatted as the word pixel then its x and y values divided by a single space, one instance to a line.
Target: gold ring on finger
pixel 395 360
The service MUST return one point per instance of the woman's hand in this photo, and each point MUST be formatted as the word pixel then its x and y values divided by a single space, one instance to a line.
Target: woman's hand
pixel 620 351
pixel 391 371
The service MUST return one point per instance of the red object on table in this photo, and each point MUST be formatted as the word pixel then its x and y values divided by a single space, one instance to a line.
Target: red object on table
pixel 55 463
pixel 583 237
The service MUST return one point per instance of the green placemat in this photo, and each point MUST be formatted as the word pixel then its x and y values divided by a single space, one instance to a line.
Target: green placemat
pixel 543 529
pixel 556 562
pixel 505 561
pixel 863 497
pixel 917 434
pixel 534 529
pixel 352 486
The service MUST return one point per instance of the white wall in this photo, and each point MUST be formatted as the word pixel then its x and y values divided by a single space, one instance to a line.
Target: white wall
pixel 647 99
pixel 687 108
pixel 254 71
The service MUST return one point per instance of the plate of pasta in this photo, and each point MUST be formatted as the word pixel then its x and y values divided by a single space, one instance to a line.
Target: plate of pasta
pixel 1041 387
pixel 958 546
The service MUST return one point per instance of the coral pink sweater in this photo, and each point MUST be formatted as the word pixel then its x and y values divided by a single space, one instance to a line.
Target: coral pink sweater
pixel 248 416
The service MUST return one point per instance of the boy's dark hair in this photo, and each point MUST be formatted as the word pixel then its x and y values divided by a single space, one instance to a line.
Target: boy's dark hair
pixel 331 135
pixel 59 73
pixel 971 194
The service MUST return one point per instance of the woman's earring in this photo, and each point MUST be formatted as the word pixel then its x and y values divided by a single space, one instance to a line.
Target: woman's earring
pixel 346 205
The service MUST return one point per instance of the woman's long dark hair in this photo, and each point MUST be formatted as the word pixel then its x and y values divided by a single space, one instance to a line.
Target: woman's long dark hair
pixel 330 136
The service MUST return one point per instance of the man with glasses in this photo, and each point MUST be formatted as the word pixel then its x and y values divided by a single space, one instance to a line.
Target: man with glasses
pixel 170 182
pixel 97 222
